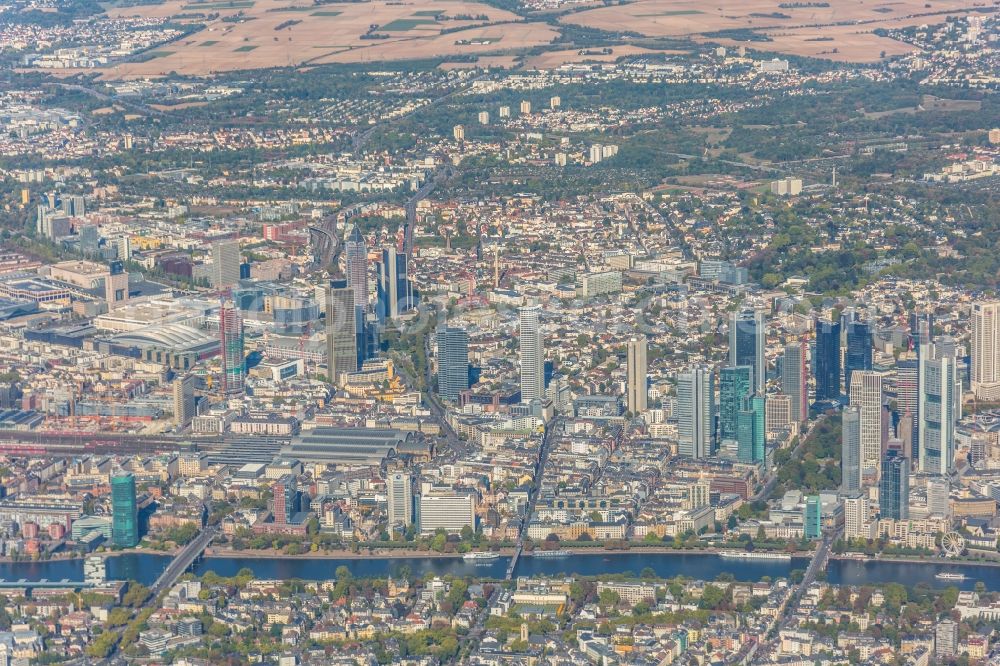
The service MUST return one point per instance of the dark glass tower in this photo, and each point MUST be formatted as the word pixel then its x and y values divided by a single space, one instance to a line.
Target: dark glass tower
pixel 894 486
pixel 827 360
pixel 859 349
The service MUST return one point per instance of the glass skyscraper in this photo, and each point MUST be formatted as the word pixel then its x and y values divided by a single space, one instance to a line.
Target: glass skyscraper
pixel 827 360
pixel 850 454
pixel 734 387
pixel 453 361
pixel 894 486
pixel 341 330
pixel 751 430
pixel 124 512
pixel 356 256
pixel 746 344
pixel 859 349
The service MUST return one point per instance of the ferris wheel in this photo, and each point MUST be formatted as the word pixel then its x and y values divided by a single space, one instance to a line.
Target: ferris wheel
pixel 952 544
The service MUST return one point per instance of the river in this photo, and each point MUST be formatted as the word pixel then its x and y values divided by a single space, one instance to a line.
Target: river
pixel 145 567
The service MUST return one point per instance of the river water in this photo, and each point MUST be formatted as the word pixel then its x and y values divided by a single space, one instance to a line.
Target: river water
pixel 145 567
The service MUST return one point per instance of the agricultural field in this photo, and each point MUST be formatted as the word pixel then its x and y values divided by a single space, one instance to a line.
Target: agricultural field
pixel 252 34
pixel 833 29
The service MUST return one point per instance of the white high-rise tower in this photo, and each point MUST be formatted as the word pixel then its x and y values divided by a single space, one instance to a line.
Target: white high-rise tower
pixel 532 355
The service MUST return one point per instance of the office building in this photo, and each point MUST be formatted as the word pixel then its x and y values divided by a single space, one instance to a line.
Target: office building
pixel 778 408
pixel 399 499
pixel 907 374
pixel 850 455
pixel 812 522
pixel 734 386
pixel 447 510
pixel 395 291
pixel 936 412
pixel 356 258
pixel 531 353
pixel 636 375
pixel 696 412
pixel 946 640
pixel 183 398
pixel 341 330
pixel 124 511
pixel 939 496
pixel 116 286
pixel 231 337
pixel 751 430
pixel 856 525
pixel 746 344
pixel 859 349
pixel 894 486
pixel 453 361
pixel 225 264
pixel 795 381
pixel 827 360
pixel 985 369
pixel 866 395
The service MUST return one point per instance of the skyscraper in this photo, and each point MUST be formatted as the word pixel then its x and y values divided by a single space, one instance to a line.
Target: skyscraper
pixel 532 354
pixel 453 361
pixel 856 517
pixel 225 263
pixel 907 403
pixel 399 497
pixel 985 371
pixel 341 330
pixel 116 285
pixel 751 431
pixel 850 456
pixel 866 395
pixel 636 375
pixel 124 512
pixel 936 412
pixel 356 256
pixel 812 523
pixel 231 336
pixel 734 386
pixel 696 412
pixel 746 344
pixel 894 486
pixel 859 349
pixel 795 381
pixel 183 394
pixel 827 360
pixel 395 292
pixel 284 493
pixel 939 496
